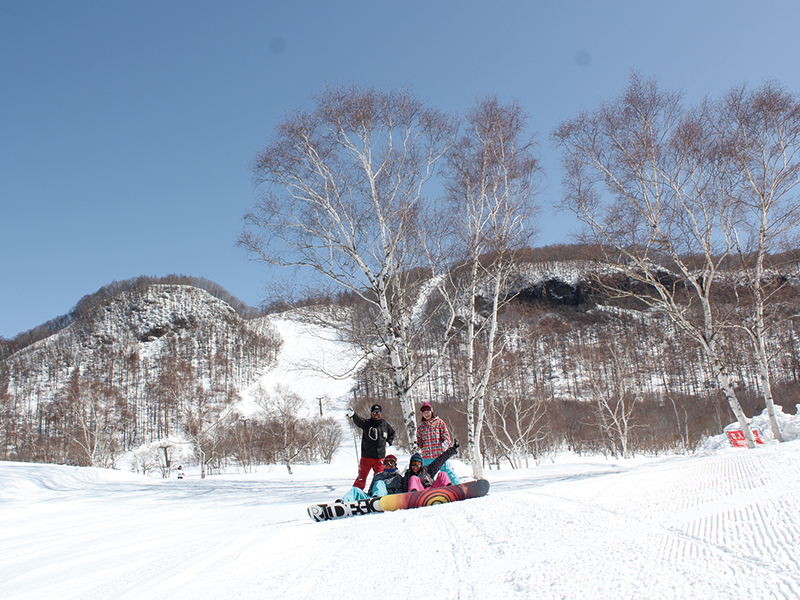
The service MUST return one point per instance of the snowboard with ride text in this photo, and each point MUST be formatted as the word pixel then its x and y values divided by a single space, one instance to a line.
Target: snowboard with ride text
pixel 440 495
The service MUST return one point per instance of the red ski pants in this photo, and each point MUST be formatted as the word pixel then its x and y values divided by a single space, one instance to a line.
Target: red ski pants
pixel 364 467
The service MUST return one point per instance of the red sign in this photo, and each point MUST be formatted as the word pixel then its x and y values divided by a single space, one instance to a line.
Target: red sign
pixel 737 438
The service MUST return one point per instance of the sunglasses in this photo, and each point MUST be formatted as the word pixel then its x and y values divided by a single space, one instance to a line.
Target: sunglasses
pixel 426 410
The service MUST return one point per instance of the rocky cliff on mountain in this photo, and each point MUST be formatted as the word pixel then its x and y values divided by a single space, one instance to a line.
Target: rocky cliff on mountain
pixel 141 360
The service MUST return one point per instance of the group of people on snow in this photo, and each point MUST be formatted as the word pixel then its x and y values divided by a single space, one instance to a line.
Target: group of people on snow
pixel 427 468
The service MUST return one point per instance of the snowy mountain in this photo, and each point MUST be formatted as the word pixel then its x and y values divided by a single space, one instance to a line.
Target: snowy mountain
pixel 145 362
pixel 131 364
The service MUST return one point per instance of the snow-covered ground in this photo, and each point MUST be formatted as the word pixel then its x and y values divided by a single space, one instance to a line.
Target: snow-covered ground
pixel 725 524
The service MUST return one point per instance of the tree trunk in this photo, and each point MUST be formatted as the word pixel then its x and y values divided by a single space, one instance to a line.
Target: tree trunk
pixel 730 395
pixel 476 401
pixel 760 343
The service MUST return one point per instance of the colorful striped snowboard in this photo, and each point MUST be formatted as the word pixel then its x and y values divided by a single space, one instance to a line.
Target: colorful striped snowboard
pixel 451 493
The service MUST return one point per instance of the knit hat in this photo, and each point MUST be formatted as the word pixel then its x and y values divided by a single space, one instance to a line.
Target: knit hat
pixel 415 457
pixel 376 408
pixel 424 406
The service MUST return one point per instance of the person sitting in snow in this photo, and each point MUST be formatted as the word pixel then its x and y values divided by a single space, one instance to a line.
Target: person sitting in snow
pixel 388 481
pixel 180 471
pixel 419 477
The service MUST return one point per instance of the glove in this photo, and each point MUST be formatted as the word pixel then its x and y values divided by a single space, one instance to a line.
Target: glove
pixel 455 444
pixel 349 412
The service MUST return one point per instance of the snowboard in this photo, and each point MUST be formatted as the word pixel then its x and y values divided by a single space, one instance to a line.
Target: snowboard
pixel 440 495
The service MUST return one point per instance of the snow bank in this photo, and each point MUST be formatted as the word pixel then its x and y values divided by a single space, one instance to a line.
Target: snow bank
pixel 789 425
pixel 27 481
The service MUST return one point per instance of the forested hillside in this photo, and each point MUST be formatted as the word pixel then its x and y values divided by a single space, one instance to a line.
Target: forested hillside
pixel 137 362
pixel 585 367
pixel 579 367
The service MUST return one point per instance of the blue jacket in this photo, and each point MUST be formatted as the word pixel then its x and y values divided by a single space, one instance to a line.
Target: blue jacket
pixel 393 480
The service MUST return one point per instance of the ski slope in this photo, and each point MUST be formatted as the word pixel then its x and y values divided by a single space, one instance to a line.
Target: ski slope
pixel 724 524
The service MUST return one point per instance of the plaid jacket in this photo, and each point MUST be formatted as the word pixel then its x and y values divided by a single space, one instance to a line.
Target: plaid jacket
pixel 431 437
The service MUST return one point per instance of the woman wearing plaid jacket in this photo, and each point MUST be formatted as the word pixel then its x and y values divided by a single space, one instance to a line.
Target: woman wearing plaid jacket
pixel 432 439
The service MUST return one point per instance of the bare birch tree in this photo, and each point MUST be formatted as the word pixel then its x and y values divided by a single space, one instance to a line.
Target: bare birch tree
pixel 281 410
pixel 343 193
pixel 760 137
pixel 516 415
pixel 491 175
pixel 642 174
pixel 90 418
pixel 612 388
pixel 202 420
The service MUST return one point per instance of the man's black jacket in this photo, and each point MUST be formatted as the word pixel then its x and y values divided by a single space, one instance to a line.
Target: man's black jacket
pixel 377 433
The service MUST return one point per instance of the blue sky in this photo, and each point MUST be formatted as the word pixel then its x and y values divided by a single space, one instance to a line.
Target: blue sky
pixel 127 128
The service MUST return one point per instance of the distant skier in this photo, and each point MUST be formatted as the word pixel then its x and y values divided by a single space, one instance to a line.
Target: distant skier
pixel 180 472
pixel 376 435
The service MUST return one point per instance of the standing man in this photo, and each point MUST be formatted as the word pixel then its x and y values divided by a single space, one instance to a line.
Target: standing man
pixel 376 435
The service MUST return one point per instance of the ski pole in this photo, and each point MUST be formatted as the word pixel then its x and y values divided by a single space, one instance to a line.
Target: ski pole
pixel 355 444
